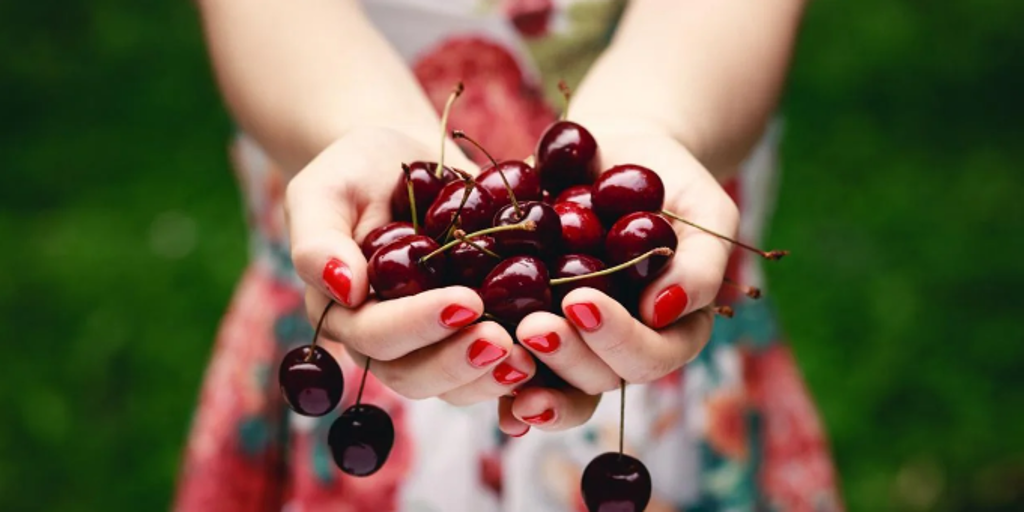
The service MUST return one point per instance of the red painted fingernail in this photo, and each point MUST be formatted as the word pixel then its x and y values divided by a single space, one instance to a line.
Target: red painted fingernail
pixel 585 315
pixel 669 304
pixel 455 316
pixel 541 418
pixel 506 374
pixel 521 434
pixel 544 344
pixel 338 279
pixel 483 353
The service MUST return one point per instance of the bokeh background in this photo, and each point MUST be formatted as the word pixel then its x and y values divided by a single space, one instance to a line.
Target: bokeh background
pixel 122 237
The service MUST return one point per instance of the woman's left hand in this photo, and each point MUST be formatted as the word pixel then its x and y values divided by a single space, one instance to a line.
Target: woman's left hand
pixel 598 342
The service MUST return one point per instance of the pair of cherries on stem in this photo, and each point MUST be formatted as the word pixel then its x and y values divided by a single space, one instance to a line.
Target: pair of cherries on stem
pixel 361 438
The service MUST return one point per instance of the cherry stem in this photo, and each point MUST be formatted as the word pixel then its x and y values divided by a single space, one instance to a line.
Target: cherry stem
pixel 469 181
pixel 459 134
pixel 362 382
pixel 439 172
pixel 316 332
pixel 567 94
pixel 659 251
pixel 725 311
pixel 750 291
pixel 412 198
pixel 528 225
pixel 622 413
pixel 768 255
pixel 461 236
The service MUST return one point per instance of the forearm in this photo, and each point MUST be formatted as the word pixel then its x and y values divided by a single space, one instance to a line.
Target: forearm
pixel 708 71
pixel 298 74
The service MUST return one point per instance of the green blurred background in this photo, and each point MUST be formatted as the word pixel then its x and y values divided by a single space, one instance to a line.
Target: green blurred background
pixel 122 239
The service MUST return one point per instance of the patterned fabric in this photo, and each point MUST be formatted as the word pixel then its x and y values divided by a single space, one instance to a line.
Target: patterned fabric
pixel 733 430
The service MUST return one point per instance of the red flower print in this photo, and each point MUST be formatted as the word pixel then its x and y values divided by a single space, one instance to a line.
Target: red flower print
pixel 727 423
pixel 530 17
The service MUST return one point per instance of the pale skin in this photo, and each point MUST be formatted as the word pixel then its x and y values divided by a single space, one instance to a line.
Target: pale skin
pixel 336 107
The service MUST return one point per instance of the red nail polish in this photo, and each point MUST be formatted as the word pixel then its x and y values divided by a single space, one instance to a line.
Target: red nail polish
pixel 456 316
pixel 506 374
pixel 544 344
pixel 585 315
pixel 541 418
pixel 338 279
pixel 483 353
pixel 669 304
pixel 523 433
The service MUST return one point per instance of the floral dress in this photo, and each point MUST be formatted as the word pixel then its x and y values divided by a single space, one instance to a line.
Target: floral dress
pixel 733 430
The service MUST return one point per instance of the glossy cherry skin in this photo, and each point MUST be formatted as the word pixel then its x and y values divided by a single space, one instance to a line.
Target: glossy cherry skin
pixel 313 387
pixel 581 229
pixel 576 194
pixel 425 187
pixel 468 266
pixel 626 189
pixel 523 179
pixel 571 265
pixel 615 482
pixel 384 235
pixel 361 439
pixel 515 288
pixel 566 155
pixel 634 235
pixel 395 269
pixel 543 241
pixel 476 213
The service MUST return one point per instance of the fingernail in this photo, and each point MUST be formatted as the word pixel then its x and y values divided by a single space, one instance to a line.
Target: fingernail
pixel 483 353
pixel 338 279
pixel 669 304
pixel 541 418
pixel 585 315
pixel 521 434
pixel 455 316
pixel 506 374
pixel 545 344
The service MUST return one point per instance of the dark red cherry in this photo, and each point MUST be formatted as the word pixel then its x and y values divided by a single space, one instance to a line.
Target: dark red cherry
pixel 476 213
pixel 521 177
pixel 545 197
pixel 395 269
pixel 311 380
pixel 572 265
pixel 577 194
pixel 384 235
pixel 616 482
pixel 361 439
pixel 634 235
pixel 567 155
pixel 515 288
pixel 581 229
pixel 626 189
pixel 468 265
pixel 543 241
pixel 425 186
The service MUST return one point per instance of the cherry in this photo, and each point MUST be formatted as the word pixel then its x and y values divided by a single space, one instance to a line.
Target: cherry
pixel 470 261
pixel 311 380
pixel 543 241
pixel 581 229
pixel 426 187
pixel 398 270
pixel 572 265
pixel 523 180
pixel 616 482
pixel 361 439
pixel 626 189
pixel 566 155
pixel 384 235
pixel 515 288
pixel 475 209
pixel 576 194
pixel 634 235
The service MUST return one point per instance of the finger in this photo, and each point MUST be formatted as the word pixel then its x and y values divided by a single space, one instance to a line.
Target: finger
pixel 554 409
pixel 556 343
pixel 502 380
pixel 634 351
pixel 695 272
pixel 387 330
pixel 439 368
pixel 508 423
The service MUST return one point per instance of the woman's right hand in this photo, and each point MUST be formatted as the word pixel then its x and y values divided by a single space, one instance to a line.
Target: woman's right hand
pixel 422 345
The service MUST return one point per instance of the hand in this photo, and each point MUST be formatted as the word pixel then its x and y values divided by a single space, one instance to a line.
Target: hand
pixel 418 343
pixel 599 342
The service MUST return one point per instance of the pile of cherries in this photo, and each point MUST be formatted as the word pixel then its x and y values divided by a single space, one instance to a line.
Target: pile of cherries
pixel 502 234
